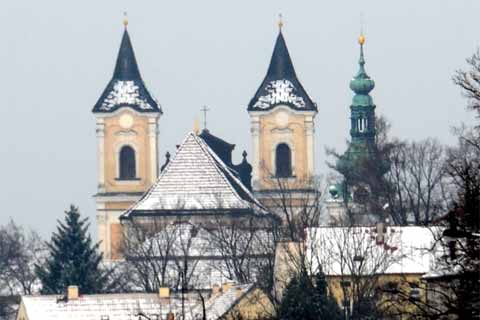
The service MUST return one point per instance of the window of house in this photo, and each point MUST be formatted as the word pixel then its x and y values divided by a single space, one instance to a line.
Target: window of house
pixel 127 163
pixel 283 161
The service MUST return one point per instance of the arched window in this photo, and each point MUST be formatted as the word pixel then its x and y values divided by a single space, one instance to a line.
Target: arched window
pixel 283 161
pixel 127 163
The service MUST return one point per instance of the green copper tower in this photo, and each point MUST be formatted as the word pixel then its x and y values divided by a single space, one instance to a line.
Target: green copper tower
pixel 362 109
pixel 362 117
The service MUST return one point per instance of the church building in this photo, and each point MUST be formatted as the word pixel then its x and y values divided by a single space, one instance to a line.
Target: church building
pixel 282 118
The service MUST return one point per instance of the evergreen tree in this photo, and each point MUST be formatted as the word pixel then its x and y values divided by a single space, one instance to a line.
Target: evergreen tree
pixel 326 304
pixel 304 300
pixel 72 259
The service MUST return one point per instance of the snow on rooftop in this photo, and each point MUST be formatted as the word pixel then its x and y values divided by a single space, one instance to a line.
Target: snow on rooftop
pixel 279 91
pixel 125 93
pixel 127 306
pixel 196 179
pixel 218 305
pixel 405 250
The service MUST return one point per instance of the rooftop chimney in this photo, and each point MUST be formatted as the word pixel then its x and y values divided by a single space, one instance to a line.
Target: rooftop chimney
pixel 164 292
pixel 72 292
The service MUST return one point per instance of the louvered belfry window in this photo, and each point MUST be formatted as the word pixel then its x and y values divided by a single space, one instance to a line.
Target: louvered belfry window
pixel 127 163
pixel 283 161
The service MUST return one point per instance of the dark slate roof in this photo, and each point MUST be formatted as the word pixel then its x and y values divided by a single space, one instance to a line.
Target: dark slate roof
pixel 221 147
pixel 195 181
pixel 126 88
pixel 281 85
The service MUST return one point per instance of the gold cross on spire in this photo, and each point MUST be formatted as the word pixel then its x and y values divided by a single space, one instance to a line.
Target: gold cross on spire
pixel 280 21
pixel 125 19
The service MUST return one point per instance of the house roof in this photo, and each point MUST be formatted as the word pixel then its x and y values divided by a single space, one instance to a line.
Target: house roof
pixel 126 306
pixel 195 181
pixel 220 304
pixel 405 250
pixel 281 85
pixel 126 88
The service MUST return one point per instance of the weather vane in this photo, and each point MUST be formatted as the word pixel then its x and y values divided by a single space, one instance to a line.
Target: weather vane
pixel 205 109
pixel 280 21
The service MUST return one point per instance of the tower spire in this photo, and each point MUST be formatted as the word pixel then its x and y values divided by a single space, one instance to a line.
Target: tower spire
pixel 126 88
pixel 362 108
pixel 361 83
pixel 281 85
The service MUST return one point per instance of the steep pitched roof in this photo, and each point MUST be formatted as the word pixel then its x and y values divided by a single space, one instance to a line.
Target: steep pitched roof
pixel 126 88
pixel 281 85
pixel 195 181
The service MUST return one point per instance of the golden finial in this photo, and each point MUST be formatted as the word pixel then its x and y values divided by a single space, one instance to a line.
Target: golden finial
pixel 280 21
pixel 361 39
pixel 196 126
pixel 125 19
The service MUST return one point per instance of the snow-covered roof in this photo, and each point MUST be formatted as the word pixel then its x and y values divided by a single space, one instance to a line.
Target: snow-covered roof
pixel 404 250
pixel 220 304
pixel 126 306
pixel 281 85
pixel 194 181
pixel 126 88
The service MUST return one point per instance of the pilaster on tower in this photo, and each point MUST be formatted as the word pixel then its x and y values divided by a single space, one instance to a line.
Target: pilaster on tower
pixel 127 145
pixel 282 127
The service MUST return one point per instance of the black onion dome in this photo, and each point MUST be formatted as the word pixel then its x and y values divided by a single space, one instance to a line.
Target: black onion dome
pixel 126 88
pixel 281 85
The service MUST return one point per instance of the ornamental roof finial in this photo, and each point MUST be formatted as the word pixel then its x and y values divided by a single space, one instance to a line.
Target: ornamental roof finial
pixel 361 39
pixel 125 19
pixel 280 22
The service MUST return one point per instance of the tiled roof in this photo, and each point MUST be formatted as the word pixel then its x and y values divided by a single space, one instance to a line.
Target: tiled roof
pixel 195 180
pixel 126 306
pixel 126 88
pixel 281 85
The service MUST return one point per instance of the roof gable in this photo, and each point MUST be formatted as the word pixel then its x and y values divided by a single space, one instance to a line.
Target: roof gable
pixel 195 179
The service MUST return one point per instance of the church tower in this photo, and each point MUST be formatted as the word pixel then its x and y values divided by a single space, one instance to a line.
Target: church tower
pixel 282 127
pixel 127 138
pixel 362 117
pixel 353 192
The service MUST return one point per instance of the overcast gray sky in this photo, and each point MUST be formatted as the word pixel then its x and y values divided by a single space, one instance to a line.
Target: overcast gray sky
pixel 56 57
